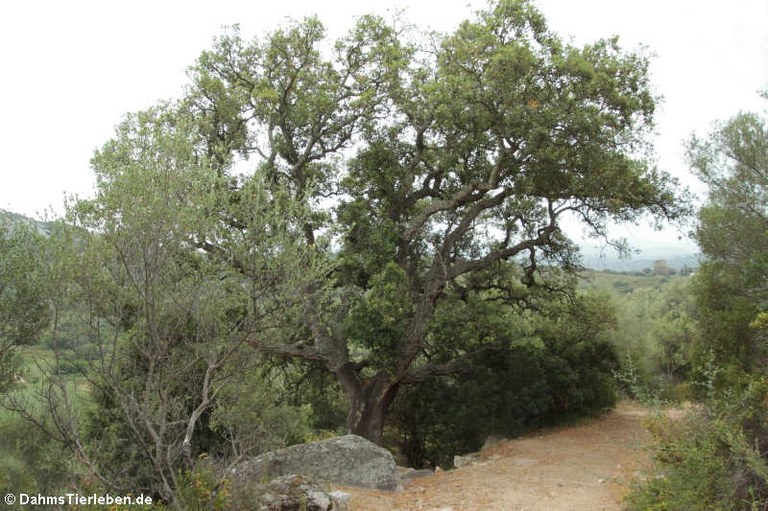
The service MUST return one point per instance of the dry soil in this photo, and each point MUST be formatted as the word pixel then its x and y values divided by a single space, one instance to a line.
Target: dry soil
pixel 585 467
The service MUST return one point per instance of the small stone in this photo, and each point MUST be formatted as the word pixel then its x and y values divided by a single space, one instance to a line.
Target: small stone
pixel 415 474
pixel 490 441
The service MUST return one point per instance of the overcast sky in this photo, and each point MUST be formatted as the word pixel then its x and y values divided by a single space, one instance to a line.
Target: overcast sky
pixel 72 69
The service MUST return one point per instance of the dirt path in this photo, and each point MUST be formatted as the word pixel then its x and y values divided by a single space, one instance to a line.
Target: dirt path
pixel 586 467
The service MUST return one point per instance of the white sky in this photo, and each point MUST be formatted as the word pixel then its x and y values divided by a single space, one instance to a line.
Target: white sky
pixel 72 69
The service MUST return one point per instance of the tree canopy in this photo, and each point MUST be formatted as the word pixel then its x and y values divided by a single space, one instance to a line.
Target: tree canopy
pixel 731 284
pixel 333 197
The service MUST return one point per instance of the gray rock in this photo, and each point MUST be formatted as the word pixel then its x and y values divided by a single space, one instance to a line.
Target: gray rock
pixel 340 500
pixel 491 441
pixel 297 493
pixel 349 459
pixel 466 460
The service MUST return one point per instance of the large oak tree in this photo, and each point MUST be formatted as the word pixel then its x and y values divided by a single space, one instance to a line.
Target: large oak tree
pixel 394 170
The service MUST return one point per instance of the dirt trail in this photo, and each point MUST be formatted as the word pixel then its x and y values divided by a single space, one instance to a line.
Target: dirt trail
pixel 585 467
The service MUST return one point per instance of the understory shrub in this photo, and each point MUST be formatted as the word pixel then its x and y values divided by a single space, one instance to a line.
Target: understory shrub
pixel 714 459
pixel 505 393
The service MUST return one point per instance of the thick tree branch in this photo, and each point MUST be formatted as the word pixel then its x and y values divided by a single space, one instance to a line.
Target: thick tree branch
pixel 469 193
pixel 502 254
pixel 458 365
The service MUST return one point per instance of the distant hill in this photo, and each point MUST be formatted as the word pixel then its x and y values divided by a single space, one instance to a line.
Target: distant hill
pixel 13 219
pixel 613 263
pixel 624 283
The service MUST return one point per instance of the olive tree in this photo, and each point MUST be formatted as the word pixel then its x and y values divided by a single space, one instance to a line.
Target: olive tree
pixel 165 321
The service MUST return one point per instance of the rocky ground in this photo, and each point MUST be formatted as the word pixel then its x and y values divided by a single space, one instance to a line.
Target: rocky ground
pixel 585 467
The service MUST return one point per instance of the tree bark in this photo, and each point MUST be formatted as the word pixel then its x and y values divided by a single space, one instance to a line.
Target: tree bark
pixel 369 401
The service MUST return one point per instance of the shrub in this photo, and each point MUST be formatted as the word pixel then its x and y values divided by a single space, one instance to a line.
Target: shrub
pixel 29 459
pixel 714 459
pixel 536 382
pixel 202 490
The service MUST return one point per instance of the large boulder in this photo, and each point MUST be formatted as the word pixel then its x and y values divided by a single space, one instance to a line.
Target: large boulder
pixel 348 460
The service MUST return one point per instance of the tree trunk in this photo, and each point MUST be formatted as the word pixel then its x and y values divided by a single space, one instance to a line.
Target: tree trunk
pixel 369 401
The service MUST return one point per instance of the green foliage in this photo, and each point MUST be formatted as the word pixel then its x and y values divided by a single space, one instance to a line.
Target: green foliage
pixel 726 314
pixel 160 318
pixel 30 459
pixel 32 455
pixel 202 490
pixel 443 165
pixel 713 459
pixel 378 323
pixel 656 329
pixel 9 365
pixel 730 286
pixel 310 385
pixel 24 293
pixel 637 383
pixel 496 136
pixel 539 369
pixel 24 311
pixel 254 414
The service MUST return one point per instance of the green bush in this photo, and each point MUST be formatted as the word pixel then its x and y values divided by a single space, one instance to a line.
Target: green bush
pixel 636 381
pixel 29 459
pixel 713 459
pixel 202 490
pixel 559 367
